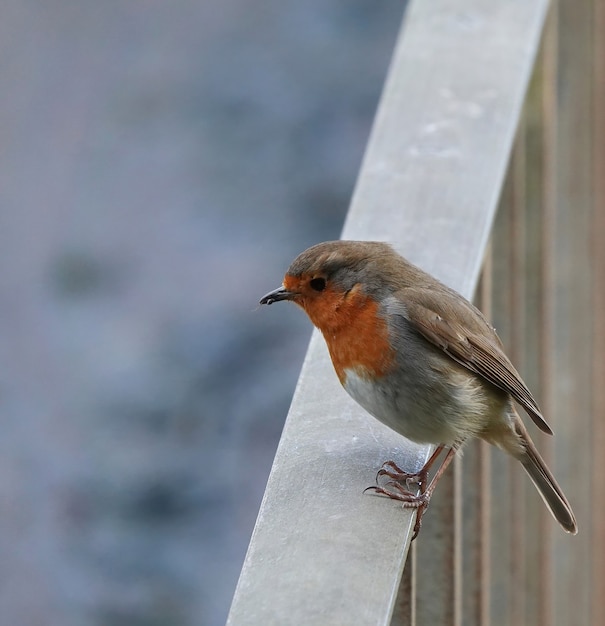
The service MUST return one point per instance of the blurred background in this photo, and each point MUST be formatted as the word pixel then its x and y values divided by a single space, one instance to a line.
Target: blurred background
pixel 160 165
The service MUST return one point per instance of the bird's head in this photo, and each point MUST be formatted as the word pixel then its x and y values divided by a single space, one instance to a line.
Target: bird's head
pixel 331 280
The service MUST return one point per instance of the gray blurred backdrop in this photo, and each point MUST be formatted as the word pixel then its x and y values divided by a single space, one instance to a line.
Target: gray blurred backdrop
pixel 160 164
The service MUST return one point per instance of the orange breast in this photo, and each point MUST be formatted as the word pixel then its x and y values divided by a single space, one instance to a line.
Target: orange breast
pixel 356 335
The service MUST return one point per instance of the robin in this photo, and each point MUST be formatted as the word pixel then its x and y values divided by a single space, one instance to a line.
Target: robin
pixel 421 359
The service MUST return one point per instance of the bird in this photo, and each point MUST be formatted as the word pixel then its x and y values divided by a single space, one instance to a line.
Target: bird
pixel 420 358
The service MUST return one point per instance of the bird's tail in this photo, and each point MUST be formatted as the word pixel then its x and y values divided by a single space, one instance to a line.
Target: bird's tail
pixel 544 481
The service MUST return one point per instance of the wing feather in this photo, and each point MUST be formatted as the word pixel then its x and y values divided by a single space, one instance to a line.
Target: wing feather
pixel 462 332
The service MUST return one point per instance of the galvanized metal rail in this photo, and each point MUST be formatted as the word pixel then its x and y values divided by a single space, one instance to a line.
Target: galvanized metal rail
pixel 323 553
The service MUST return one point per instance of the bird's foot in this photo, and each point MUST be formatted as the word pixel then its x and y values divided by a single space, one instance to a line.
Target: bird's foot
pixel 400 483
pixel 396 490
pixel 391 470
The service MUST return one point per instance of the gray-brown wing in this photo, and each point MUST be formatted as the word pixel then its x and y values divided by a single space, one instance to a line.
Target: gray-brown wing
pixel 462 333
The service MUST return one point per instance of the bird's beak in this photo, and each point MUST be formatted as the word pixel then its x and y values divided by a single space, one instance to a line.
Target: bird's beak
pixel 281 293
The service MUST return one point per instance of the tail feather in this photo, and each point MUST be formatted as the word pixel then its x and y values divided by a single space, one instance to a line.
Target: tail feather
pixel 545 482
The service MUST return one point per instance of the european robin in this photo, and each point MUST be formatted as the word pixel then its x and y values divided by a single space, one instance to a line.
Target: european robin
pixel 420 358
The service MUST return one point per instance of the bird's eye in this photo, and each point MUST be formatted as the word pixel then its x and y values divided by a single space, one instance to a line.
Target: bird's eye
pixel 318 284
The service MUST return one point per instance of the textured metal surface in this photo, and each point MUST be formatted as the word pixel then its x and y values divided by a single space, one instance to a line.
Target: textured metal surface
pixel 572 306
pixel 597 573
pixel 323 553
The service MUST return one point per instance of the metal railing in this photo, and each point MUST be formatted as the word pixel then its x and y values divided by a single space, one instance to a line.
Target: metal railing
pixel 435 170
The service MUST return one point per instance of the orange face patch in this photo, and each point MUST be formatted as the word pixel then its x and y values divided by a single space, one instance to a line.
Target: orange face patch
pixel 356 335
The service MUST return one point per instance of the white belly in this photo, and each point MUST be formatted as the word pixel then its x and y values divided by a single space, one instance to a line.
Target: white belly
pixel 437 414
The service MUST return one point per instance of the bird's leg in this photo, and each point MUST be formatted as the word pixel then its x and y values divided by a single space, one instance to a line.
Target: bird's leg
pixel 399 485
pixel 391 470
pixel 395 489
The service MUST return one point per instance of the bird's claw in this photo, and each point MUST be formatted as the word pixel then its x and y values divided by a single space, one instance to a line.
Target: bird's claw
pixel 396 491
pixel 391 470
